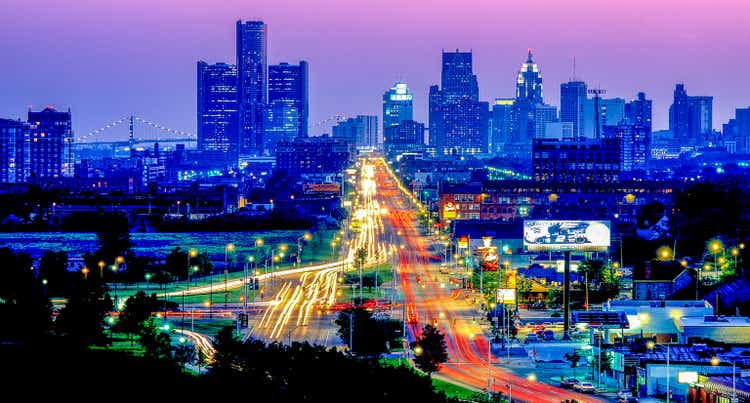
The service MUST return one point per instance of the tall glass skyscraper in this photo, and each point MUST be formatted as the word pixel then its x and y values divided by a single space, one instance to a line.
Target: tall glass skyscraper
pixel 218 110
pixel 572 102
pixel 690 117
pixel 638 111
pixel 529 82
pixel 288 104
pixel 456 116
pixel 14 150
pixel 50 143
pixel 252 73
pixel 397 105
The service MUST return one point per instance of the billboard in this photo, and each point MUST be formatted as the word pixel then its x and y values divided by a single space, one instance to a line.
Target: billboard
pixel 463 242
pixel 489 259
pixel 566 235
pixel 320 188
pixel 506 296
pixel 449 210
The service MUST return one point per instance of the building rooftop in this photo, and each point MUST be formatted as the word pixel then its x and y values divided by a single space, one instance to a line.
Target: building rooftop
pixel 714 321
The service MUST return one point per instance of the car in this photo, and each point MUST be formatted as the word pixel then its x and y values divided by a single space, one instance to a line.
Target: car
pixel 569 382
pixel 624 394
pixel 628 400
pixel 584 387
pixel 548 335
pixel 531 338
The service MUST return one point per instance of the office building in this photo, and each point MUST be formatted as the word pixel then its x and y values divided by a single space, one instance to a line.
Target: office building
pixel 217 111
pixel 737 130
pixel 397 105
pixel 638 111
pixel 610 112
pixel 288 104
pixel 577 161
pixel 457 121
pixel 635 144
pixel 50 144
pixel 504 120
pixel 529 82
pixel 314 157
pixel 361 130
pixel 407 136
pixel 543 115
pixel 252 82
pixel 14 151
pixel 572 102
pixel 690 118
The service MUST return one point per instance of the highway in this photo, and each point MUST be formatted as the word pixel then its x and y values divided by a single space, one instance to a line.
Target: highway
pixel 429 301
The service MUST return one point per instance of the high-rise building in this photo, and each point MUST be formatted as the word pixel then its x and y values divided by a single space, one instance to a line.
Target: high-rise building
pixel 529 82
pixel 50 143
pixel 638 111
pixel 407 136
pixel 457 122
pixel 252 82
pixel 504 120
pixel 361 130
pixel 634 144
pixel 737 130
pixel 690 117
pixel 572 104
pixel 288 104
pixel 318 157
pixel 217 110
pixel 14 151
pixel 397 106
pixel 611 112
pixel 543 115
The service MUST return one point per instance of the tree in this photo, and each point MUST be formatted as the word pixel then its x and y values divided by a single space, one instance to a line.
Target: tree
pixel 138 309
pixel 370 336
pixel 573 359
pixel 228 352
pixel 113 236
pixel 53 267
pixel 184 354
pixel 157 346
pixel 81 321
pixel 24 306
pixel 430 350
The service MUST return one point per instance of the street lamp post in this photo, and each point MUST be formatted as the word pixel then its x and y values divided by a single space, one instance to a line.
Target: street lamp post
pixel 101 269
pixel 227 250
pixel 650 345
pixel 191 254
pixel 306 236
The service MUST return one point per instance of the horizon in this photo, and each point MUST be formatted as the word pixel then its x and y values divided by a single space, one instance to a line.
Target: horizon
pixel 82 62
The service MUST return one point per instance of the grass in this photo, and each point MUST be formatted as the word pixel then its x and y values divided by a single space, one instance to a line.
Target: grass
pixel 349 292
pixel 453 390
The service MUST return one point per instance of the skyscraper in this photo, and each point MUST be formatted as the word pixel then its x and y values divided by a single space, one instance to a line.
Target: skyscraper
pixel 503 123
pixel 690 118
pixel 288 104
pixel 543 115
pixel 456 116
pixel 217 110
pixel 397 105
pixel 635 144
pixel 50 143
pixel 529 82
pixel 361 130
pixel 611 112
pixel 252 81
pixel 638 111
pixel 572 103
pixel 14 149
pixel 406 136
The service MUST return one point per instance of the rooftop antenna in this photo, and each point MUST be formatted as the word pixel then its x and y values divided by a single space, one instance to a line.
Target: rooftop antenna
pixel 574 67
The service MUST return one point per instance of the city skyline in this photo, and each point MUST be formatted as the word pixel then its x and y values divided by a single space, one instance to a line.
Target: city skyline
pixel 94 57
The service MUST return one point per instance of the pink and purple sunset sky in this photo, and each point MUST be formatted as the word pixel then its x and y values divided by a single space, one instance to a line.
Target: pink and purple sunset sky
pixel 107 59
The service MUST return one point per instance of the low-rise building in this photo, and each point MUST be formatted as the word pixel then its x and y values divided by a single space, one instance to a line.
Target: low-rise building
pixel 725 329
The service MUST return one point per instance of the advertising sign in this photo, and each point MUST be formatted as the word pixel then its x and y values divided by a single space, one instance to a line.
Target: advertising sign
pixel 463 242
pixel 687 377
pixel 489 260
pixel 506 296
pixel 320 188
pixel 566 235
pixel 510 279
pixel 449 210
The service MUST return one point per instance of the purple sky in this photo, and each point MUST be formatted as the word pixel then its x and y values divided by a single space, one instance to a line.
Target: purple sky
pixel 106 59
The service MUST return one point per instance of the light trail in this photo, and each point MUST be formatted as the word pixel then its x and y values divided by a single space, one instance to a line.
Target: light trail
pixel 201 342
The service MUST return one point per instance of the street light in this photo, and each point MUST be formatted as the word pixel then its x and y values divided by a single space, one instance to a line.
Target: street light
pixel 227 250
pixel 191 254
pixel 650 345
pixel 101 269
pixel 114 280
pixel 306 236
pixel 85 271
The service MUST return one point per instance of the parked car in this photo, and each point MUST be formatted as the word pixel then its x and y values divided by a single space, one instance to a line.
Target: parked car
pixel 628 400
pixel 531 338
pixel 548 335
pixel 624 394
pixel 584 387
pixel 569 382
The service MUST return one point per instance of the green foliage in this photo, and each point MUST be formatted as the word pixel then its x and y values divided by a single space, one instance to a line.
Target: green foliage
pixel 113 236
pixel 53 267
pixel 604 284
pixel 157 346
pixel 24 306
pixel 434 351
pixel 81 321
pixel 138 309
pixel 177 263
